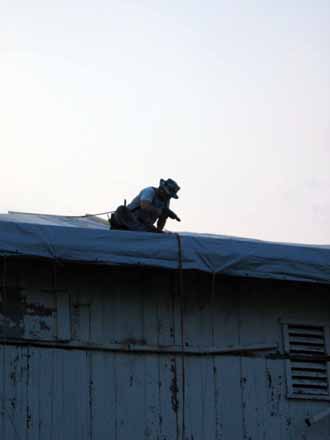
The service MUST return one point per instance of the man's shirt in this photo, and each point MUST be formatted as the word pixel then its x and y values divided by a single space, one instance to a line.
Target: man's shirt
pixel 147 195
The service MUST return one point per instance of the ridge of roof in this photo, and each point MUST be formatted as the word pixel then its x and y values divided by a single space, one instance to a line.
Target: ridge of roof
pixel 87 239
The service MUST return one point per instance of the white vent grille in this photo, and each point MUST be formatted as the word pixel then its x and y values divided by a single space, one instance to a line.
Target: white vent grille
pixel 308 369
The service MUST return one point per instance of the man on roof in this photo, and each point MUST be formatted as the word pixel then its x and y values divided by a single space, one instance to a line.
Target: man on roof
pixel 151 205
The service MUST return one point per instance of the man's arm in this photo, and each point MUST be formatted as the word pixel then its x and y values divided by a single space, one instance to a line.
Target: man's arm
pixel 161 223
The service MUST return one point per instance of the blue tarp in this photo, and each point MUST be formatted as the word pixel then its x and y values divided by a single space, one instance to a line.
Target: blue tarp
pixel 89 240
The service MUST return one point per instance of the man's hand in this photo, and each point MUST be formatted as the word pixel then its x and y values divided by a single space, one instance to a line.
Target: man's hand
pixel 168 213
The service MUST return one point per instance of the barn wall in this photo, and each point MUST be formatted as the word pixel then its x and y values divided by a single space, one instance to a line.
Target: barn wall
pixel 68 368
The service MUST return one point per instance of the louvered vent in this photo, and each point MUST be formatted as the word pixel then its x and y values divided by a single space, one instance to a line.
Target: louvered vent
pixel 307 367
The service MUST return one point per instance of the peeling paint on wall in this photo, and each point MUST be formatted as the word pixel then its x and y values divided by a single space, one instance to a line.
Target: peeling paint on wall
pixel 63 391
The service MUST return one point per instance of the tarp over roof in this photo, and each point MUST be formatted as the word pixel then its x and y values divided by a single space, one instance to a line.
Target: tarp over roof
pixel 89 240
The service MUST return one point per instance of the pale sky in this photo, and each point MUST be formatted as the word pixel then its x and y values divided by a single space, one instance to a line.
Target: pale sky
pixel 101 98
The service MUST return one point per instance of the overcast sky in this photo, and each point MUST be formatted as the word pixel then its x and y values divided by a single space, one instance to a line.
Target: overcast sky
pixel 231 98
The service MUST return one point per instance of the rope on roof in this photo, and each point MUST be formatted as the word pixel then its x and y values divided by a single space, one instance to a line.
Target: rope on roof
pixel 61 215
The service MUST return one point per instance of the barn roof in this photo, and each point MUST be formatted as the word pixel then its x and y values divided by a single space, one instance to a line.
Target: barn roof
pixel 89 240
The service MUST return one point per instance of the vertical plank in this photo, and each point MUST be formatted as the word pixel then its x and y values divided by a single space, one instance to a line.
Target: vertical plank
pixel 63 315
pixel 73 390
pixel 149 299
pixel 58 427
pixel 13 389
pixel 199 398
pixel 277 414
pixel 131 398
pixel 178 362
pixel 224 316
pixel 97 317
pixel 165 309
pixel 151 397
pixel 45 372
pixel 228 400
pixel 198 310
pixel 83 395
pixel 97 292
pixel 254 397
pixel 34 361
pixel 208 399
pixel 169 368
pixel 168 398
pixel 198 332
pixel 128 316
pixel 85 319
pixel 104 397
pixel 151 331
pixel 193 398
pixel 108 315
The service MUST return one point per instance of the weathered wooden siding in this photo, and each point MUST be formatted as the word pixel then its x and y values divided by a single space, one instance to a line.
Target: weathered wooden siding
pixel 68 369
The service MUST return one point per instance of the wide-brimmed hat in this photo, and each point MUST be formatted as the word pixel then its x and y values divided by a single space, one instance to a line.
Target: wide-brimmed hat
pixel 170 187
